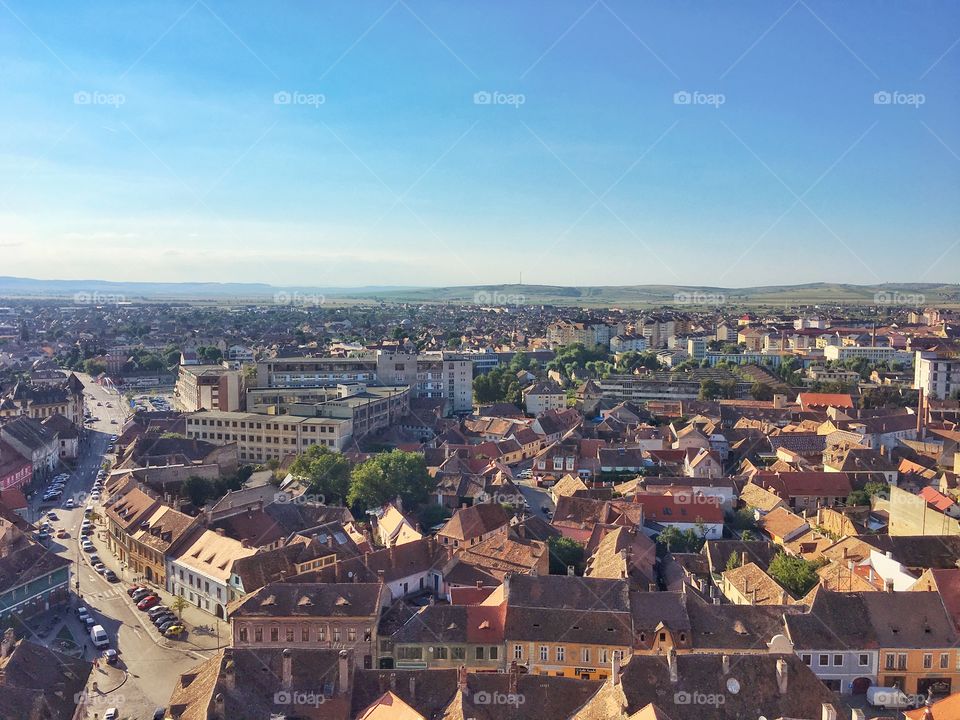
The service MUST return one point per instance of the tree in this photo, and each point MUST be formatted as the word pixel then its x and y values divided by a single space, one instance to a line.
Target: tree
pixel 498 385
pixel 761 391
pixel 565 552
pixel 866 495
pixel 326 472
pixel 199 490
pixel 794 573
pixel 178 605
pixel 94 367
pixel 388 475
pixel 734 561
pixel 709 390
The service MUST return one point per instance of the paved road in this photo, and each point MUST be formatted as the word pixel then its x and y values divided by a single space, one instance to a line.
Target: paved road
pixel 152 669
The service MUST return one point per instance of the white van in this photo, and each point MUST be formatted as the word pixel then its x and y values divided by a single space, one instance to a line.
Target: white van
pixel 99 636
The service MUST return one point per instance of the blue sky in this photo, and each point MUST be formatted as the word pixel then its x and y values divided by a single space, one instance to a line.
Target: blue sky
pixel 450 143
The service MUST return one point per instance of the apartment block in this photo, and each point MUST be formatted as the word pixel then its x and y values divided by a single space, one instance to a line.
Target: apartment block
pixel 208 387
pixel 867 352
pixel 937 373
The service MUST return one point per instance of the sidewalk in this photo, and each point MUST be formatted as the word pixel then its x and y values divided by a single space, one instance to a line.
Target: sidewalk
pixel 192 616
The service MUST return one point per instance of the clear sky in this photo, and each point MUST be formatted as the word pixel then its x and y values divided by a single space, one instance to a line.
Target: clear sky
pixel 449 142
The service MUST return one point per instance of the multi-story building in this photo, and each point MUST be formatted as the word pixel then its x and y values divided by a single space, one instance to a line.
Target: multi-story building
pixel 43 400
pixel 208 387
pixel 310 615
pixel 200 571
pixel 937 373
pixel 153 539
pixel 628 343
pixel 872 354
pixel 541 397
pixel 33 441
pixel 300 418
pixel 32 579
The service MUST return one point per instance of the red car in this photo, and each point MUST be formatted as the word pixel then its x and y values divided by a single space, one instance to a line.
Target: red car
pixel 132 589
pixel 148 602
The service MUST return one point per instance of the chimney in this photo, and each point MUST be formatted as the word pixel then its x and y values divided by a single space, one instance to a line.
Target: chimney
pixel 286 674
pixel 220 532
pixel 782 676
pixel 521 531
pixel 380 576
pixel 615 668
pixel 888 586
pixel 413 688
pixel 514 676
pixel 652 587
pixel 725 664
pixel 229 670
pixel 827 712
pixel 393 681
pixel 672 664
pixel 329 540
pixel 343 662
pixel 462 678
pixel 743 558
pixel 9 641
pixel 479 584
pixel 571 570
pixel 857 714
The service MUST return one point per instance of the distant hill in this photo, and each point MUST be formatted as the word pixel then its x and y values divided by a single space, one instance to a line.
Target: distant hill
pixel 902 294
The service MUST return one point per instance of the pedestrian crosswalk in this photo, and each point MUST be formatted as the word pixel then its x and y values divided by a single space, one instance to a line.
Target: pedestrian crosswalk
pixel 105 594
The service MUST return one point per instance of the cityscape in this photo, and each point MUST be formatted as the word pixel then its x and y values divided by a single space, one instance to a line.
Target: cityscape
pixel 426 361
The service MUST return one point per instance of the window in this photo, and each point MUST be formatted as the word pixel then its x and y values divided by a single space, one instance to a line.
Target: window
pixel 352 634
pixel 243 634
pixel 544 653
pixel 561 651
pixel 321 633
pixel 441 652
pixel 927 661
pixel 603 656
pixel 823 660
pixel 478 652
pixel 409 653
pixel 806 658
pixel 864 659
pixel 518 652
pixel 494 652
pixel 336 633
pixel 889 662
pixel 289 634
pixel 585 656
pixel 274 634
pixel 944 661
pixel 837 660
pixel 458 653
pixel 258 635
pixel 304 634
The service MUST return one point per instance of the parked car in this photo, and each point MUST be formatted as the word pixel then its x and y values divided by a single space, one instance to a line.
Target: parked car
pixel 62 534
pixel 69 504
pixel 52 516
pixel 100 568
pixel 148 602
pixel 158 610
pixel 83 613
pixel 165 621
pixel 88 546
pixel 133 588
pixel 174 631
pixel 111 714
pixel 111 656
pixel 140 594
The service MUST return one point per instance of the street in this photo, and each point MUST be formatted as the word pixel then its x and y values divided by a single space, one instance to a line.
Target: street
pixel 147 671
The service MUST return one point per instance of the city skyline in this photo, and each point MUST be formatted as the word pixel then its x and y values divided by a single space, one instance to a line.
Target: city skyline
pixel 417 145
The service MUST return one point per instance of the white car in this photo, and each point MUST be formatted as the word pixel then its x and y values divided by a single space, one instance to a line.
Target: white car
pixel 69 504
pixel 111 714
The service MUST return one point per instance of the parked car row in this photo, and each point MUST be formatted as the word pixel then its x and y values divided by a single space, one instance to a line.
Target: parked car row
pixel 161 616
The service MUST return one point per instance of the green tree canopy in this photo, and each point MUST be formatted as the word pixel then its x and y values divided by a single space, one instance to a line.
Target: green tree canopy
pixel 388 475
pixel 326 472
pixel 797 575
pixel 565 552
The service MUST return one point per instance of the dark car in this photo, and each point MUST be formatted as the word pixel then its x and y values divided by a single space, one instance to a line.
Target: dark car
pixel 169 624
pixel 110 656
pixel 111 576
pixel 164 620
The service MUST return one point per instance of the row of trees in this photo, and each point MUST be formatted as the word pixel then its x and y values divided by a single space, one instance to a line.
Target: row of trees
pixel 366 485
pixel 501 385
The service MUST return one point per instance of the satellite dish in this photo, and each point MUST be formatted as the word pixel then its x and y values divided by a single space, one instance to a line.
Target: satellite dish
pixel 350 574
pixel 733 686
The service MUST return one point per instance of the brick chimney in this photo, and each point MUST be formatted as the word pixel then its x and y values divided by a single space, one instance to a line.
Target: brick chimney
pixel 672 665
pixel 828 712
pixel 725 664
pixel 513 677
pixel 615 669
pixel 229 673
pixel 462 678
